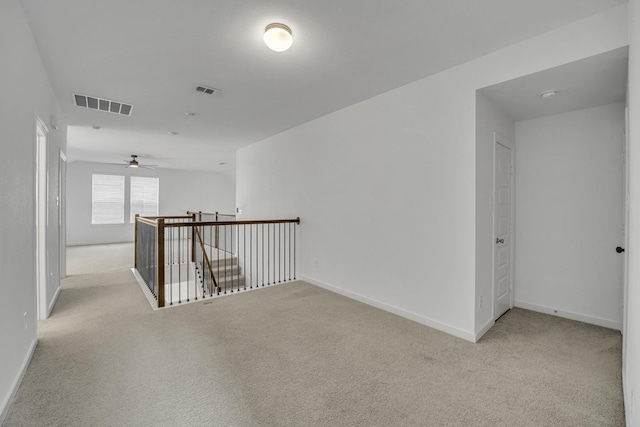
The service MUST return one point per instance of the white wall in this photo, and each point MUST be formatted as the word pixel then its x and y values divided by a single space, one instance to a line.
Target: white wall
pixel 569 214
pixel 489 119
pixel 386 189
pixel 24 92
pixel 180 191
pixel 631 346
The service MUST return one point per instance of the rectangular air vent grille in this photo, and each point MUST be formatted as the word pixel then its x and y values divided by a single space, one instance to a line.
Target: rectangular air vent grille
pixel 207 90
pixel 102 104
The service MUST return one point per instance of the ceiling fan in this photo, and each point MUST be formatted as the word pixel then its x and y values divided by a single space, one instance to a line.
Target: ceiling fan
pixel 133 163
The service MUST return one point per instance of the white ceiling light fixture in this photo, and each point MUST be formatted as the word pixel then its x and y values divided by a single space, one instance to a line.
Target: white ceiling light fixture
pixel 548 94
pixel 278 37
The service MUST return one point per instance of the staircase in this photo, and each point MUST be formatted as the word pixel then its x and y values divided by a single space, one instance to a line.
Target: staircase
pixel 183 281
pixel 226 270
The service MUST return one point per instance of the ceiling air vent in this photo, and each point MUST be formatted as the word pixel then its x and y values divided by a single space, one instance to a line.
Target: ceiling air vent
pixel 207 90
pixel 102 104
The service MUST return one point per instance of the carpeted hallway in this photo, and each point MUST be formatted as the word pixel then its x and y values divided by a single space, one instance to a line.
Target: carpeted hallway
pixel 297 355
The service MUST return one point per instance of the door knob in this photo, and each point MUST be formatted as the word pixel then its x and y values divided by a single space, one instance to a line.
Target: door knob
pixel 502 241
pixel 619 249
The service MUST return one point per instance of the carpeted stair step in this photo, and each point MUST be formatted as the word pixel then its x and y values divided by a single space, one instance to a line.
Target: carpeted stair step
pixel 222 271
pixel 230 282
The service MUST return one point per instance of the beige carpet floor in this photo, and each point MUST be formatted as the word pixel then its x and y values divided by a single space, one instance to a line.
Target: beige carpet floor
pixel 298 355
pixel 99 258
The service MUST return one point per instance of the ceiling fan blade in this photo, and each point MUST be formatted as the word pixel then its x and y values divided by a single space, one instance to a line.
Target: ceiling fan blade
pixel 147 166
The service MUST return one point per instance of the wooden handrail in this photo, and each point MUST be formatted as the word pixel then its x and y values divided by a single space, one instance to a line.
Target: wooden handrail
pixel 168 217
pixel 147 221
pixel 206 258
pixel 211 213
pixel 153 220
pixel 213 223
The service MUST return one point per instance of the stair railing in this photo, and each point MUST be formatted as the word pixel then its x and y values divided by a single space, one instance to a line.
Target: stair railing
pixel 215 217
pixel 209 283
pixel 152 243
pixel 180 258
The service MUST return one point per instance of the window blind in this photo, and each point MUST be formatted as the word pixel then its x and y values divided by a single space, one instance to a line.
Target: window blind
pixel 107 199
pixel 144 196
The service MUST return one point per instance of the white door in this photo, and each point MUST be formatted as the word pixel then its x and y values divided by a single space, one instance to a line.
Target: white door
pixel 503 241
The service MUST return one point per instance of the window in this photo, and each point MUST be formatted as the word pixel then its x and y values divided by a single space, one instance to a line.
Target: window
pixel 107 199
pixel 144 196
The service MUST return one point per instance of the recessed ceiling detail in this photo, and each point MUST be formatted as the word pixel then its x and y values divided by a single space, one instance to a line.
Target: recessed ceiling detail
pixel 208 90
pixel 101 104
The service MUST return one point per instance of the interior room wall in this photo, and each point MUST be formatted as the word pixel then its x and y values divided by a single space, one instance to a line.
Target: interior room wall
pixel 631 346
pixel 489 119
pixel 386 188
pixel 25 92
pixel 569 214
pixel 180 191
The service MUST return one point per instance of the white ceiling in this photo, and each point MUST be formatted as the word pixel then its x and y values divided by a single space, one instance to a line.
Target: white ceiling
pixel 151 53
pixel 591 82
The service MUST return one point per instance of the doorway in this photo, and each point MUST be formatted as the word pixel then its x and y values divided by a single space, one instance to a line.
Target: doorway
pixel 503 221
pixel 568 239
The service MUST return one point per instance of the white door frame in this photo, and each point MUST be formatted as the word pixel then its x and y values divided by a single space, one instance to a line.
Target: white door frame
pixel 41 194
pixel 62 213
pixel 507 143
pixel 625 272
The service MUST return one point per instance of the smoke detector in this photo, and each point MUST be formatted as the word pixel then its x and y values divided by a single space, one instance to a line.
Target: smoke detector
pixel 102 104
pixel 548 94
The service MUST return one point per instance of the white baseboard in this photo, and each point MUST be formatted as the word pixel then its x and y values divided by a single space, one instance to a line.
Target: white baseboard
pixel 145 290
pixel 484 329
pixel 4 409
pixel 592 320
pixel 451 330
pixel 53 301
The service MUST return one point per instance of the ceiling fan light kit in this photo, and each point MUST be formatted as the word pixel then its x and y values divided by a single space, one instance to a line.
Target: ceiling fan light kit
pixel 134 163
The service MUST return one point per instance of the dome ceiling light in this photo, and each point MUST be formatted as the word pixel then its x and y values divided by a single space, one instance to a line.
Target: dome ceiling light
pixel 278 37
